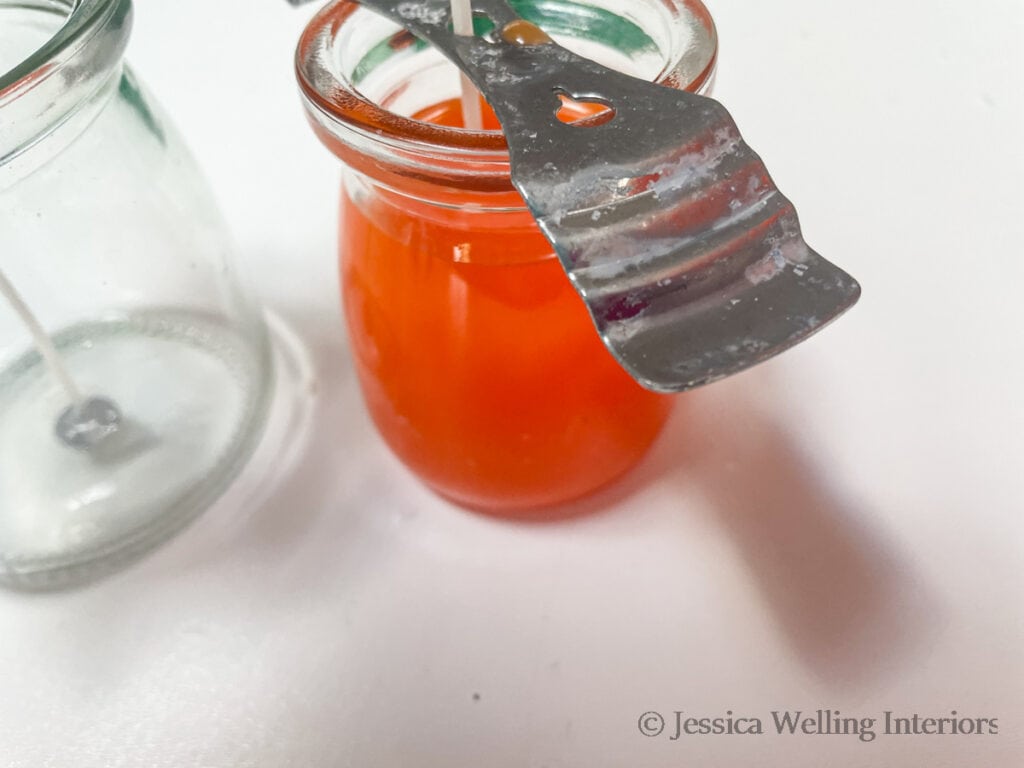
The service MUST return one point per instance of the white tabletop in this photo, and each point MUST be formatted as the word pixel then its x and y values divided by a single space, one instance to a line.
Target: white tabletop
pixel 839 529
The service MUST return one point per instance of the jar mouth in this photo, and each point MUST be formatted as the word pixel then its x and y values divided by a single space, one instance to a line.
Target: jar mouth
pixel 81 18
pixel 64 53
pixel 335 100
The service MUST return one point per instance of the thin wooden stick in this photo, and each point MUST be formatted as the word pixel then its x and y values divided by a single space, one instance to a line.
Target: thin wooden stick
pixel 41 339
pixel 462 24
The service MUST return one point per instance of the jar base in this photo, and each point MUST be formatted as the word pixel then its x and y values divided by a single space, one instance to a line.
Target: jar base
pixel 553 501
pixel 556 507
pixel 193 396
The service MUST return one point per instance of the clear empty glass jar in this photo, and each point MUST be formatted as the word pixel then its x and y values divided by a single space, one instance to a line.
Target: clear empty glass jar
pixel 134 372
pixel 478 361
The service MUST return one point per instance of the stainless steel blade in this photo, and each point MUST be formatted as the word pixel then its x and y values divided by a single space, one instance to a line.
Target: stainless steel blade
pixel 689 259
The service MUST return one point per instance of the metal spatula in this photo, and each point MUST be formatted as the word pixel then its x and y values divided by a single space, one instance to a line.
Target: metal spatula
pixel 687 256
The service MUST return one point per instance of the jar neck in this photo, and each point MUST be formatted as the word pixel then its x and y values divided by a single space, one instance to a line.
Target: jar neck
pixel 355 70
pixel 60 75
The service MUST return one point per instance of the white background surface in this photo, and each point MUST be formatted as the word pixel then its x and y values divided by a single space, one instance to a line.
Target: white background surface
pixel 838 529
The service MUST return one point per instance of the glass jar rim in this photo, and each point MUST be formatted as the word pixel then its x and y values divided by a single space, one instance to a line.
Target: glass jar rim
pixel 42 94
pixel 84 17
pixel 341 102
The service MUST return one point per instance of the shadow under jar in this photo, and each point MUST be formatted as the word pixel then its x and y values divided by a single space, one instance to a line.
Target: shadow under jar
pixel 478 361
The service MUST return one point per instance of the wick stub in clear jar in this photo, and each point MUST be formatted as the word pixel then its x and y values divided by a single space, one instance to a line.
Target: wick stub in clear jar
pixel 477 359
pixel 135 379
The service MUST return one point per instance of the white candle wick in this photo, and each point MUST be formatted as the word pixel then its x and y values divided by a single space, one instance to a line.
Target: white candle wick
pixel 41 339
pixel 462 24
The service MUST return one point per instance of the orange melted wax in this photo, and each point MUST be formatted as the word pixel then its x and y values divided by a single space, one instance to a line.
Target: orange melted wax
pixel 478 361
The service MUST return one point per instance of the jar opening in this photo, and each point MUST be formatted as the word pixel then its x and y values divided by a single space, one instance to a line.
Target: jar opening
pixel 34 33
pixel 54 56
pixel 23 33
pixel 364 77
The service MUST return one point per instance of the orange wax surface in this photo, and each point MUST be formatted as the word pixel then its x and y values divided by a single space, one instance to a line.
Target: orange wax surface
pixel 478 361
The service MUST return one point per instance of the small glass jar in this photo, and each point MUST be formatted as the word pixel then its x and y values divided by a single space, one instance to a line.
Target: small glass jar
pixel 112 244
pixel 477 359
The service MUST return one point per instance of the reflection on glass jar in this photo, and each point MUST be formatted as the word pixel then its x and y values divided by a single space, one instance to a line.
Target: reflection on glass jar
pixel 109 236
pixel 478 362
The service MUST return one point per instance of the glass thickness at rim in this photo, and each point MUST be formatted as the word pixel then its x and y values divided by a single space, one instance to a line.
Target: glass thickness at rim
pixel 337 99
pixel 83 17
